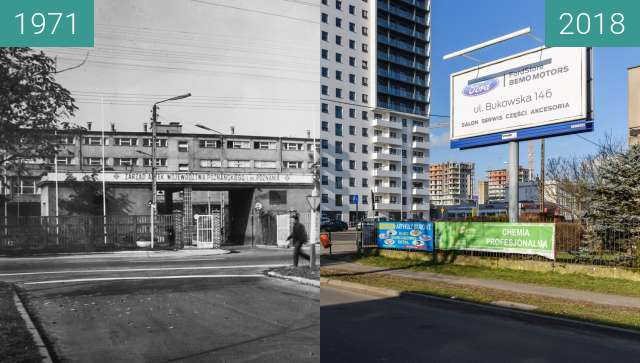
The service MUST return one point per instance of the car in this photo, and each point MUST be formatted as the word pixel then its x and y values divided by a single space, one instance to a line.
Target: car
pixel 372 220
pixel 333 225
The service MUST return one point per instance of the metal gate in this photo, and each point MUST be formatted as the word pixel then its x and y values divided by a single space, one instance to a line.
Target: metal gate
pixel 207 231
pixel 284 229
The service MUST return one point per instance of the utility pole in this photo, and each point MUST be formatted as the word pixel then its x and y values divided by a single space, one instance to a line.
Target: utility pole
pixel 154 186
pixel 542 176
pixel 514 171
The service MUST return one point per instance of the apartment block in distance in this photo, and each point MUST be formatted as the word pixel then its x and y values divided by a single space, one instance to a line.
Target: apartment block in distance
pixel 375 102
pixel 451 183
pixel 634 105
pixel 498 183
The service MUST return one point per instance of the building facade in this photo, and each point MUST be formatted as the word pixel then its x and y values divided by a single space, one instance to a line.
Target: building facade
pixel 375 102
pixel 634 105
pixel 498 183
pixel 483 192
pixel 196 173
pixel 451 183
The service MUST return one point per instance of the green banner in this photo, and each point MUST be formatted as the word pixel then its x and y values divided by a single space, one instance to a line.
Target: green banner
pixel 527 239
pixel 592 23
pixel 46 23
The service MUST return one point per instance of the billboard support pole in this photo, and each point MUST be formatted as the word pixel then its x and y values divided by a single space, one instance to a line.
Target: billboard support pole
pixel 514 169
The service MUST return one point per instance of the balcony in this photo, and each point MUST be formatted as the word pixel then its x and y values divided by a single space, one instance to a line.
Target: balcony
pixel 420 207
pixel 385 173
pixel 384 140
pixel 420 160
pixel 386 123
pixel 400 108
pixel 387 190
pixel 419 145
pixel 402 61
pixel 388 206
pixel 402 45
pixel 386 157
pixel 402 93
pixel 420 130
pixel 419 176
pixel 402 77
pixel 402 29
pixel 419 191
pixel 402 13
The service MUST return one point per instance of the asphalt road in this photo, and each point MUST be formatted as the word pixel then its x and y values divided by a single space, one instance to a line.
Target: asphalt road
pixel 198 309
pixel 358 328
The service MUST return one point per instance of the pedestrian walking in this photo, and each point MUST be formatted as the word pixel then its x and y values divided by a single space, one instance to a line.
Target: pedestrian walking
pixel 299 237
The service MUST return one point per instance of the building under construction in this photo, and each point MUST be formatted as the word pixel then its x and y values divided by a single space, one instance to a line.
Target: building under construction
pixel 451 183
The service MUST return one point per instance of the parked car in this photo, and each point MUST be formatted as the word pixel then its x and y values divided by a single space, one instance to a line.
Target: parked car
pixel 333 225
pixel 371 220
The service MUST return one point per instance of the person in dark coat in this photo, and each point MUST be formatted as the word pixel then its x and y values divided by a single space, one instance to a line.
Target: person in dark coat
pixel 299 237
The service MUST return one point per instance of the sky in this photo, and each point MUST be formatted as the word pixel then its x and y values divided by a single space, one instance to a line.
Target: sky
pixel 248 63
pixel 458 24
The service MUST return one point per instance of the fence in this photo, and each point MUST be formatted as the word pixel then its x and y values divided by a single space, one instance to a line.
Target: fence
pixel 265 226
pixel 574 244
pixel 88 233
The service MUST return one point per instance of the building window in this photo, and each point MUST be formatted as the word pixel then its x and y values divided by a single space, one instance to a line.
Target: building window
pixel 365 48
pixel 64 160
pixel 264 164
pixel 352 112
pixel 338 147
pixel 365 165
pixel 324 71
pixel 338 4
pixel 27 186
pixel 365 14
pixel 365 98
pixel 159 162
pixel 365 182
pixel 338 58
pixel 338 182
pixel 324 144
pixel 352 147
pixel 352 78
pixel 352 27
pixel 278 197
pixel 210 144
pixel 324 162
pixel 125 161
pixel 365 132
pixel 324 18
pixel 338 93
pixel 365 115
pixel 125 141
pixel 210 163
pixel 352 44
pixel 338 112
pixel 352 96
pixel 352 165
pixel 235 144
pixel 339 22
pixel 324 107
pixel 338 129
pixel 183 146
pixel 239 164
pixel 95 141
pixel 365 200
pixel 66 140
pixel 352 61
pixel 292 164
pixel 352 130
pixel 324 90
pixel 338 40
pixel 365 64
pixel 159 142
pixel 365 81
pixel 324 54
pixel 93 161
pixel 324 36
pixel 338 200
pixel 324 126
pixel 264 145
pixel 293 146
pixel 325 198
pixel 339 165
pixel 352 182
pixel 365 30
pixel 352 9
pixel 365 149
pixel 339 75
pixel 325 180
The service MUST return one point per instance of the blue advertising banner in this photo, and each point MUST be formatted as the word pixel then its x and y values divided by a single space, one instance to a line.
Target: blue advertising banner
pixel 406 235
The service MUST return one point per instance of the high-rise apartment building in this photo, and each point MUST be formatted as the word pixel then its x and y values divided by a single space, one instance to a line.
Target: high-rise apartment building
pixel 375 102
pixel 634 105
pixel 451 183
pixel 483 192
pixel 498 183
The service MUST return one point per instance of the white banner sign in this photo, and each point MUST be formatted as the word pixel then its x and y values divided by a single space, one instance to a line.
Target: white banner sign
pixel 189 178
pixel 539 87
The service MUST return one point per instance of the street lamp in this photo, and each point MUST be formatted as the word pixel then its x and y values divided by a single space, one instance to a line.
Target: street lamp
pixel 154 185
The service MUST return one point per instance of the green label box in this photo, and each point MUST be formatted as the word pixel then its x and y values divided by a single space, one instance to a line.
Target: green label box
pixel 519 238
pixel 46 23
pixel 592 23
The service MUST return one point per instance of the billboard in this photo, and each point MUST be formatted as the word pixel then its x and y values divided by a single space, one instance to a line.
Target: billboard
pixel 519 238
pixel 406 235
pixel 539 93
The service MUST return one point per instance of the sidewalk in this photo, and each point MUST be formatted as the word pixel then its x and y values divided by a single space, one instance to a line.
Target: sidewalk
pixel 546 291
pixel 188 252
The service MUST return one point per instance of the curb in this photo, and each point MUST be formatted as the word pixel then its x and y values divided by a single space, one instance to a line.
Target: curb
pixel 299 280
pixel 510 312
pixel 42 348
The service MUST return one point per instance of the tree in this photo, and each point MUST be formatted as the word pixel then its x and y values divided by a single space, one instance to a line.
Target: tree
pixel 87 198
pixel 614 207
pixel 33 106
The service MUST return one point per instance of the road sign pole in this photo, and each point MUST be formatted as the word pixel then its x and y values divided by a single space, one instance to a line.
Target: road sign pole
pixel 514 169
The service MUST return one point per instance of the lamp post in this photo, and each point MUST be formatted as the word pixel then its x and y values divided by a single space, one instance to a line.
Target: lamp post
pixel 154 186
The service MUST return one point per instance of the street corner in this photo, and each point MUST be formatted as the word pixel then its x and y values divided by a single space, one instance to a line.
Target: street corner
pixel 305 275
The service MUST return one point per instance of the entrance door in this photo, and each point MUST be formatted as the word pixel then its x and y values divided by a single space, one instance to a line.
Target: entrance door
pixel 205 232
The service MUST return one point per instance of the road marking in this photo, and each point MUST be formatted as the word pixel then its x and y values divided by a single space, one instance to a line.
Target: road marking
pixel 140 270
pixel 98 279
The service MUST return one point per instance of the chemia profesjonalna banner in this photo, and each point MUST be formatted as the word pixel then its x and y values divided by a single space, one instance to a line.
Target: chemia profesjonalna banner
pixel 519 238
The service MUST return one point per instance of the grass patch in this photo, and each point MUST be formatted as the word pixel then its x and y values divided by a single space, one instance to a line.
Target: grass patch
pixel 16 343
pixel 621 317
pixel 563 280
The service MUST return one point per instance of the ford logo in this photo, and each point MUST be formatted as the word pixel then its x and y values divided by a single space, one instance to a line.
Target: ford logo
pixel 480 88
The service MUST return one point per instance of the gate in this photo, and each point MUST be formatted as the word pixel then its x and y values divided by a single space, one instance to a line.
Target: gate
pixel 208 231
pixel 284 229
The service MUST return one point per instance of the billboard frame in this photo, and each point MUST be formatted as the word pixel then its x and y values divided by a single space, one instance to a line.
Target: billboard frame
pixel 557 128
